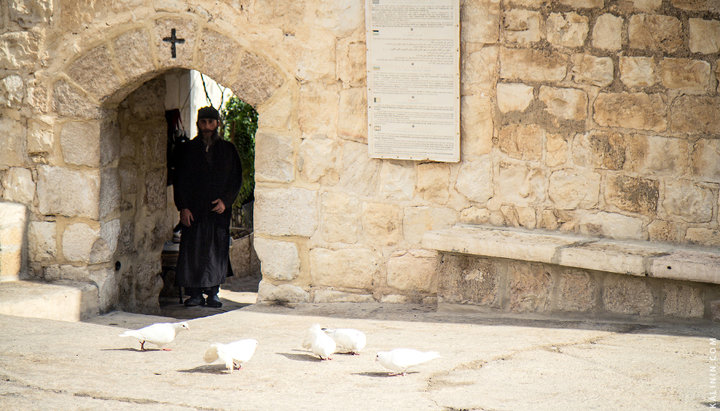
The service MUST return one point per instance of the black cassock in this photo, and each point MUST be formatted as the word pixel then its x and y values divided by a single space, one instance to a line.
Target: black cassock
pixel 202 177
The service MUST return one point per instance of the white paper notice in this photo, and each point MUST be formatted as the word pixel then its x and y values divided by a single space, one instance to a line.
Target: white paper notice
pixel 413 79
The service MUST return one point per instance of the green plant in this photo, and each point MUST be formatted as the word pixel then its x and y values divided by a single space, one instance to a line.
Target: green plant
pixel 240 122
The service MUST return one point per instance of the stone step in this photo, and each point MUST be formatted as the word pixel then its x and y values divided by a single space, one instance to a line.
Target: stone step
pixel 61 300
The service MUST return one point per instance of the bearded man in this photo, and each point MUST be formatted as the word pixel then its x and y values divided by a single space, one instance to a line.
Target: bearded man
pixel 208 180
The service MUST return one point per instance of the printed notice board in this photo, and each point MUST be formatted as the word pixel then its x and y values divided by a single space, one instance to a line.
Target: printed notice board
pixel 413 79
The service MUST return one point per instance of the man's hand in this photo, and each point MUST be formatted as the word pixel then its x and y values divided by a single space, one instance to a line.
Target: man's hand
pixel 219 206
pixel 186 217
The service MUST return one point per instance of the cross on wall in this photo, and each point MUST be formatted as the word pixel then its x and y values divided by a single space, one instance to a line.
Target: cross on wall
pixel 173 39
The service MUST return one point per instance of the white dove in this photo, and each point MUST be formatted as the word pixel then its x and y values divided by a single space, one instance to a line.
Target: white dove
pixel 319 343
pixel 159 334
pixel 233 354
pixel 400 359
pixel 348 340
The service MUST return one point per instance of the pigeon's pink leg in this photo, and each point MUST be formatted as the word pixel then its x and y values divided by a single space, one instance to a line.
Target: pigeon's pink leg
pixel 142 345
pixel 167 349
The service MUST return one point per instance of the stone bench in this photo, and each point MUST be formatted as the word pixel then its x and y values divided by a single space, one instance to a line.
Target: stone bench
pixel 678 273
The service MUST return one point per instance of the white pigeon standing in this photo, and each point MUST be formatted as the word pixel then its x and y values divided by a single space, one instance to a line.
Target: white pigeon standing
pixel 159 334
pixel 319 343
pixel 400 359
pixel 233 354
pixel 348 340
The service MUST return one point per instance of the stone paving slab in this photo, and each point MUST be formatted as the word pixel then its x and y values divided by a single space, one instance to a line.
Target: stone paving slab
pixel 489 362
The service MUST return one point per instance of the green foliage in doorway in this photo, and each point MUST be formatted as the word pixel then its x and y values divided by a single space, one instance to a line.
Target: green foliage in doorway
pixel 240 122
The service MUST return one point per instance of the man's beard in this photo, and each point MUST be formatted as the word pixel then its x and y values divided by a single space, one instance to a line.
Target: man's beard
pixel 212 135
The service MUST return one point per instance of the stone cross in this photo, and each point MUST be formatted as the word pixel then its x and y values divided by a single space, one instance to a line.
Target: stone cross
pixel 173 40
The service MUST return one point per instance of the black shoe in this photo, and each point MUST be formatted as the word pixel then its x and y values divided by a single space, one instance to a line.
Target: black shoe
pixel 194 301
pixel 213 301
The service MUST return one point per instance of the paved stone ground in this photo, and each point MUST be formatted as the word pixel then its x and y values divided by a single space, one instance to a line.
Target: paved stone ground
pixel 489 362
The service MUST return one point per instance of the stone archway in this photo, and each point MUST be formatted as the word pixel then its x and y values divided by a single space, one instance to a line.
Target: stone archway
pixel 87 219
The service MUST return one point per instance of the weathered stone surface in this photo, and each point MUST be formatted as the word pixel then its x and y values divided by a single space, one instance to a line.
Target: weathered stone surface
pixel 519 184
pixel 184 28
pixel 80 143
pixel 646 5
pixel 522 141
pixel 706 159
pixel 312 118
pixel 564 103
pixel 634 194
pixel 257 79
pixel 30 13
pixel 319 160
pixel 132 53
pixel 665 231
pixel 567 29
pixel 433 180
pixel 108 287
pixel 475 180
pixel 93 71
pixel 339 217
pixel 274 158
pixel 576 291
pixel 522 26
pixel 627 295
pixel 42 243
pixel 631 110
pixel 482 19
pixel 684 301
pixel 570 189
pixel 638 71
pixel 382 223
pixel 685 74
pixel 479 71
pixel 110 190
pixel 583 4
pixel 19 50
pixel 71 102
pixel 658 155
pixel 413 270
pixel 352 118
pixel 556 149
pixel 155 187
pixel 611 225
pixel 19 186
pixel 68 192
pixel 691 114
pixel 77 242
pixel 12 91
pixel 40 136
pixel 351 66
pixel 11 143
pixel 418 220
pixel 283 292
pixel 314 53
pixel 12 227
pixel 513 96
pixel 588 69
pixel 529 288
pixel 688 202
pixel 655 32
pixel 280 259
pixel 605 150
pixel 703 236
pixel 341 18
pixel 697 5
pixel 213 60
pixel 476 126
pixel 397 180
pixel 532 65
pixel 607 33
pixel 348 268
pixel 704 36
pixel 360 173
pixel 469 279
pixel 333 296
pixel 285 211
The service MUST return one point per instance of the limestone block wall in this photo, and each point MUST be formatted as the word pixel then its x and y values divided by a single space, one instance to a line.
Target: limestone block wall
pixel 596 117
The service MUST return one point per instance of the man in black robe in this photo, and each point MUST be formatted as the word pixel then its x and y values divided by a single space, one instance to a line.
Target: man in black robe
pixel 208 179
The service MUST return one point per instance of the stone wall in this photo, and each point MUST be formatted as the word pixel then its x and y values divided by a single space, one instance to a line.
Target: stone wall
pixel 596 117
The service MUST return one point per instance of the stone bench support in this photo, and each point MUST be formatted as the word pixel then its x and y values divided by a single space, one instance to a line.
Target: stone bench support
pixel 521 270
